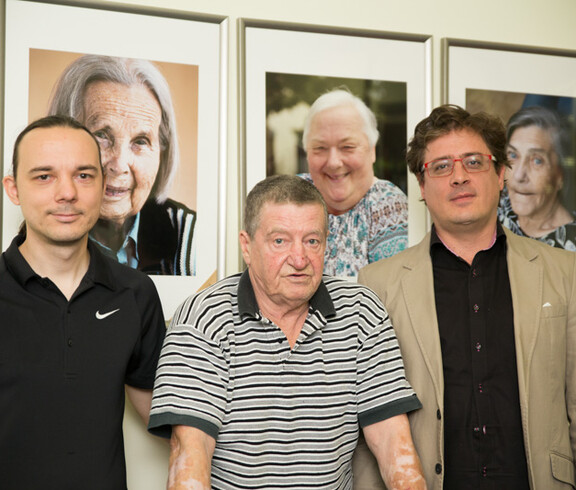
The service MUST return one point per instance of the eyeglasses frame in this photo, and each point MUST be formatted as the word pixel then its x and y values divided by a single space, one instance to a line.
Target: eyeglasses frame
pixel 492 159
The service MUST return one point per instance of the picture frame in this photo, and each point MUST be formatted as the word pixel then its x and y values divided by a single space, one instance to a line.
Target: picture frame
pixel 533 91
pixel 504 67
pixel 273 47
pixel 198 42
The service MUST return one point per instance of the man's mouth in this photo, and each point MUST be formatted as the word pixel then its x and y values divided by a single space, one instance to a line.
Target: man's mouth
pixel 66 216
pixel 462 196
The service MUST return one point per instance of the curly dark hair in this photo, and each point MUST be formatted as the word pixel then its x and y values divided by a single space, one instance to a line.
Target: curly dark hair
pixel 447 118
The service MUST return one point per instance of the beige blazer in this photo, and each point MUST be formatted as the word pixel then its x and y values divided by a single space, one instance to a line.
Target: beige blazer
pixel 543 284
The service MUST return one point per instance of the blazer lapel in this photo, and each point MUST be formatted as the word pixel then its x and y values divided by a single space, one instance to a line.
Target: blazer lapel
pixel 418 290
pixel 526 278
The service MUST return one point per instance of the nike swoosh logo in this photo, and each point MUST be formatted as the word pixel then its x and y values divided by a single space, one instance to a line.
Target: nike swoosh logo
pixel 101 316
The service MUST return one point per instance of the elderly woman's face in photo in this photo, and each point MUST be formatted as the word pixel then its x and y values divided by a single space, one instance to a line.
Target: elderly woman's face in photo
pixel 340 157
pixel 125 120
pixel 535 177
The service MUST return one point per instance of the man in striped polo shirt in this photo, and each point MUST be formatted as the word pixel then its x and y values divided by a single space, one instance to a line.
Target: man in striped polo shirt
pixel 266 377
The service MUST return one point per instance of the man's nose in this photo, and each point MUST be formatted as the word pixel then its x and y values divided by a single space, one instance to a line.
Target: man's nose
pixel 66 190
pixel 298 256
pixel 459 173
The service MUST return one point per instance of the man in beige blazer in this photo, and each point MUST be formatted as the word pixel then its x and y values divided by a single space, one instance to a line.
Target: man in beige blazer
pixel 486 322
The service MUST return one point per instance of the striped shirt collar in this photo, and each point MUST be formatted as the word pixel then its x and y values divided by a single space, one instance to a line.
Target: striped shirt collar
pixel 248 306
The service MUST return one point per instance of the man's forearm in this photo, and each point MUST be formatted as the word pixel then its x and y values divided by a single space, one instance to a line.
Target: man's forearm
pixel 391 443
pixel 403 470
pixel 190 459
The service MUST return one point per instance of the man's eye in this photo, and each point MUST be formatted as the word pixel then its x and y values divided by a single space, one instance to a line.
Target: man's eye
pixel 43 177
pixel 512 155
pixel 313 241
pixel 278 241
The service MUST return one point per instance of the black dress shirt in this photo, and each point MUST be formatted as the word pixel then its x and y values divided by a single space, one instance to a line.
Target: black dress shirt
pixel 483 439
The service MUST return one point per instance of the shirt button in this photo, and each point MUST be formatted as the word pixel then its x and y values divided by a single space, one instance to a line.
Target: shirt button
pixel 476 429
pixel 476 308
pixel 480 387
pixel 474 273
pixel 438 468
pixel 478 346
pixel 70 342
pixel 438 414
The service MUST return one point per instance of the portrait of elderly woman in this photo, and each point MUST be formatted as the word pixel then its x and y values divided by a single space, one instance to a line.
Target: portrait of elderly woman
pixel 127 105
pixel 537 182
pixel 368 217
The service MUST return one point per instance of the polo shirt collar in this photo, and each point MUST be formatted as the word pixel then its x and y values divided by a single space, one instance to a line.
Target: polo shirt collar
pixel 98 269
pixel 248 306
pixel 16 263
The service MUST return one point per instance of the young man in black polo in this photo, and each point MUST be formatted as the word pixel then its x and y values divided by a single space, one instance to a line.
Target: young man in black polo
pixel 76 327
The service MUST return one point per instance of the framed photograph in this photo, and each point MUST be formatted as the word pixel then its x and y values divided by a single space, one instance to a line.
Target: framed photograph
pixel 285 67
pixel 178 62
pixel 533 91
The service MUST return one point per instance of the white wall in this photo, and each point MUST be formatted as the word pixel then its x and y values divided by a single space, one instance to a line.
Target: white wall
pixel 529 22
pixel 548 24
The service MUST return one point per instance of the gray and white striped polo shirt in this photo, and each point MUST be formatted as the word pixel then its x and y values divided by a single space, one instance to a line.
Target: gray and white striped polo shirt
pixel 281 417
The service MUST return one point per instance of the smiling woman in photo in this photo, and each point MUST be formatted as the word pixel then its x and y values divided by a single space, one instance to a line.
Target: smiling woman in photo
pixel 531 205
pixel 368 217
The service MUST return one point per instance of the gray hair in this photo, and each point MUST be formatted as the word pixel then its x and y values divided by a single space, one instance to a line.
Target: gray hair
pixel 547 120
pixel 280 189
pixel 70 90
pixel 339 98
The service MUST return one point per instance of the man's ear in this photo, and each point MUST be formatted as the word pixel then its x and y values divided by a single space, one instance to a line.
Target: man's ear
pixel 9 184
pixel 245 246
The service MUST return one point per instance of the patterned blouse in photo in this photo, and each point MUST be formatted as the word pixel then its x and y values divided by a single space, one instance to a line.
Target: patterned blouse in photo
pixel 562 237
pixel 377 227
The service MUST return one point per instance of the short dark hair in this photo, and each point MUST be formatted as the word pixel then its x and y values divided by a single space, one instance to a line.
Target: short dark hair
pixel 447 118
pixel 280 189
pixel 58 121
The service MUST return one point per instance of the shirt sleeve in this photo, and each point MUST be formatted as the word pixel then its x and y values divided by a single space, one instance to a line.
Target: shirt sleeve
pixel 141 369
pixel 192 378
pixel 389 222
pixel 383 390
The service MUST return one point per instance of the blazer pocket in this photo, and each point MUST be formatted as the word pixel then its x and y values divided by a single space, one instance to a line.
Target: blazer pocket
pixel 554 311
pixel 563 468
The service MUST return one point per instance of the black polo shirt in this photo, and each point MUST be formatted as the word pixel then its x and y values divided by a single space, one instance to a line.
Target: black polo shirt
pixel 63 367
pixel 483 441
